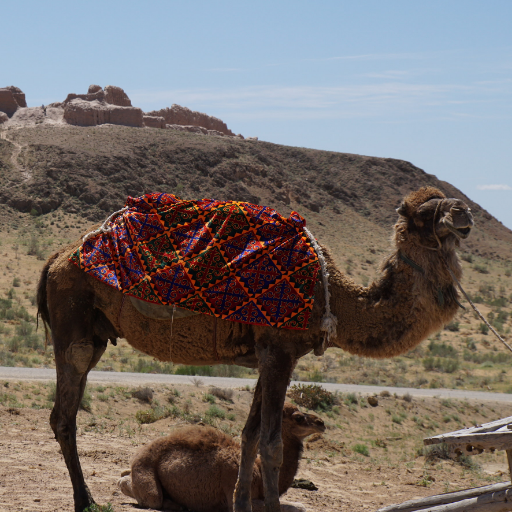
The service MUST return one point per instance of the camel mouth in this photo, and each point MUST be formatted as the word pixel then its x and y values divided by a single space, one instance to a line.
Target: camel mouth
pixel 459 232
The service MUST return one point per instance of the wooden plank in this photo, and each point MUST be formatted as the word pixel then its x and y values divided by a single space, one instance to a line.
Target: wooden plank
pixel 441 499
pixel 486 427
pixel 496 440
pixel 509 459
pixel 491 502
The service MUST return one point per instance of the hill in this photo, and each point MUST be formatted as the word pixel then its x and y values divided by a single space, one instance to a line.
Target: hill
pixel 57 180
pixel 348 200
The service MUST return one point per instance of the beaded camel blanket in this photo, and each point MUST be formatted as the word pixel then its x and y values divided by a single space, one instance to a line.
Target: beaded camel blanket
pixel 233 260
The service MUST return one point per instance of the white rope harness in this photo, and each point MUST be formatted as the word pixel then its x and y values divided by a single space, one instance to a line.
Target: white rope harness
pixel 329 321
pixel 104 228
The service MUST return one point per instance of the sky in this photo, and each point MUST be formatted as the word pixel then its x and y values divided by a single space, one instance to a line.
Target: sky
pixel 425 81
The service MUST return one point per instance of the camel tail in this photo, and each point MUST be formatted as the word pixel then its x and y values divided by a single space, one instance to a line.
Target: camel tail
pixel 42 302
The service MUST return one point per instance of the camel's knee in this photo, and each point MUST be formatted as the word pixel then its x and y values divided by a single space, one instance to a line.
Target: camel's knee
pixel 272 451
pixel 80 354
pixel 62 428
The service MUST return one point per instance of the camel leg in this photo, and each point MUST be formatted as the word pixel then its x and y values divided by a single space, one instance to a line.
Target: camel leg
pixel 276 369
pixel 73 364
pixel 249 451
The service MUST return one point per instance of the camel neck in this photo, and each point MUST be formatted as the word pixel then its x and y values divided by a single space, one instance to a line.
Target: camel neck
pixel 402 307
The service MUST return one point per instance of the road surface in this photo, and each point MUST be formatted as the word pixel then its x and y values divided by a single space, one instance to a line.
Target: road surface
pixel 147 379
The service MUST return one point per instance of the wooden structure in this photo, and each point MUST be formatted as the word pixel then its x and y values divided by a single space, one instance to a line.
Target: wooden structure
pixel 489 437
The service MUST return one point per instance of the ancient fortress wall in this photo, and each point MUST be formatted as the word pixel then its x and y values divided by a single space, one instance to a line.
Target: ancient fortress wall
pixel 112 105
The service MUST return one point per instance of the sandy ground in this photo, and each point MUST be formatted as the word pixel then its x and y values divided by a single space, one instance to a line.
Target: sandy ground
pixel 33 476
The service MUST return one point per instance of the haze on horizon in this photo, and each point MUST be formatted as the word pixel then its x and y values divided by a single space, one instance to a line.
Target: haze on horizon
pixel 427 82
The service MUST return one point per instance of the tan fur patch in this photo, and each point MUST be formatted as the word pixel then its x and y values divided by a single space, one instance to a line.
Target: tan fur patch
pixel 415 199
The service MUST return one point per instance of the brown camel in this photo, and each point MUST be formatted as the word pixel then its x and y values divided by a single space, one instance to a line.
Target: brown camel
pixel 414 297
pixel 197 467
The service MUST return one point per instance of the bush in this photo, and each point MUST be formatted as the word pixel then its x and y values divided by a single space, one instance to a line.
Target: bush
pixel 442 350
pixel 221 370
pixel 152 366
pixel 223 394
pixel 312 396
pixel 482 269
pixel 100 508
pixel 362 449
pixel 440 364
pixel 482 357
pixel 483 328
pixel 155 413
pixel 215 412
pixel 16 282
pixel 452 326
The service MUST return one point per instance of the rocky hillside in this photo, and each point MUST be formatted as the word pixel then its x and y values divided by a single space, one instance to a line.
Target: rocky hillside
pixel 348 200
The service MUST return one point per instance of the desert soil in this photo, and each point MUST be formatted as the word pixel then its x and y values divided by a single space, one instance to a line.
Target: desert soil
pixel 33 475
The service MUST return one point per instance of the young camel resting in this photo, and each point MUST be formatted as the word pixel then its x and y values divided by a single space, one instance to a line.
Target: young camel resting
pixel 197 467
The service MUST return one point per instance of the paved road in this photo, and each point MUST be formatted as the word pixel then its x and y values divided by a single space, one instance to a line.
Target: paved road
pixel 140 379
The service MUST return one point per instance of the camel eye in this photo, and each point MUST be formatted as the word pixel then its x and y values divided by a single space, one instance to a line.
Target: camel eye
pixel 299 419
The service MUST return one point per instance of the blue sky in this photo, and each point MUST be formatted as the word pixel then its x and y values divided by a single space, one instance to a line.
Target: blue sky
pixel 429 82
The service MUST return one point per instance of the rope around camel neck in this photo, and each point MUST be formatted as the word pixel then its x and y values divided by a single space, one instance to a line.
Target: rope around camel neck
pixel 329 321
pixel 476 309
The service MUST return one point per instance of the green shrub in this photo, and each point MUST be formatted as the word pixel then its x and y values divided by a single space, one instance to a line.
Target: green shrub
pixel 452 326
pixel 312 396
pixel 221 370
pixel 440 364
pixel 396 419
pixel 208 397
pixel 482 269
pixel 483 328
pixel 151 366
pixel 315 376
pixel 215 412
pixel 442 350
pixel 100 508
pixel 155 413
pixel 362 449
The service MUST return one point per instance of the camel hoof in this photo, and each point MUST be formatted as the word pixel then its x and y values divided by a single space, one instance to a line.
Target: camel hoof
pixel 126 472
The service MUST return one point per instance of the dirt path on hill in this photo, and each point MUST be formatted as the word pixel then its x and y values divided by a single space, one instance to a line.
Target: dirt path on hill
pixel 25 173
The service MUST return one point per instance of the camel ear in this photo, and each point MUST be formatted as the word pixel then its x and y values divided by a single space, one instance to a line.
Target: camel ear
pixel 402 209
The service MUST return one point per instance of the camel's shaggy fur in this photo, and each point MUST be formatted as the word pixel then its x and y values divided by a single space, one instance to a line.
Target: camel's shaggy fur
pixel 197 467
pixel 387 318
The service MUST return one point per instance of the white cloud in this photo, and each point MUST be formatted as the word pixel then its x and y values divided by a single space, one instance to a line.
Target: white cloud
pixel 390 98
pixel 494 187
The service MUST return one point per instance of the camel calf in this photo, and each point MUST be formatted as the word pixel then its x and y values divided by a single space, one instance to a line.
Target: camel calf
pixel 197 467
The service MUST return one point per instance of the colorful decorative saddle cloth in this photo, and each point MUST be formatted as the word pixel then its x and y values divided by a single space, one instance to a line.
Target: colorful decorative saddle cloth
pixel 233 260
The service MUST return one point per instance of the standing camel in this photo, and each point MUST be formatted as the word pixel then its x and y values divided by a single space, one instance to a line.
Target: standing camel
pixel 413 297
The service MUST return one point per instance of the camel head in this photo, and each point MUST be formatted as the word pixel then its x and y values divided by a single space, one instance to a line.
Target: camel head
pixel 434 217
pixel 300 424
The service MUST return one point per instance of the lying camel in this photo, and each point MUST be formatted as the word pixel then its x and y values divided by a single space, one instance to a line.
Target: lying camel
pixel 197 467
